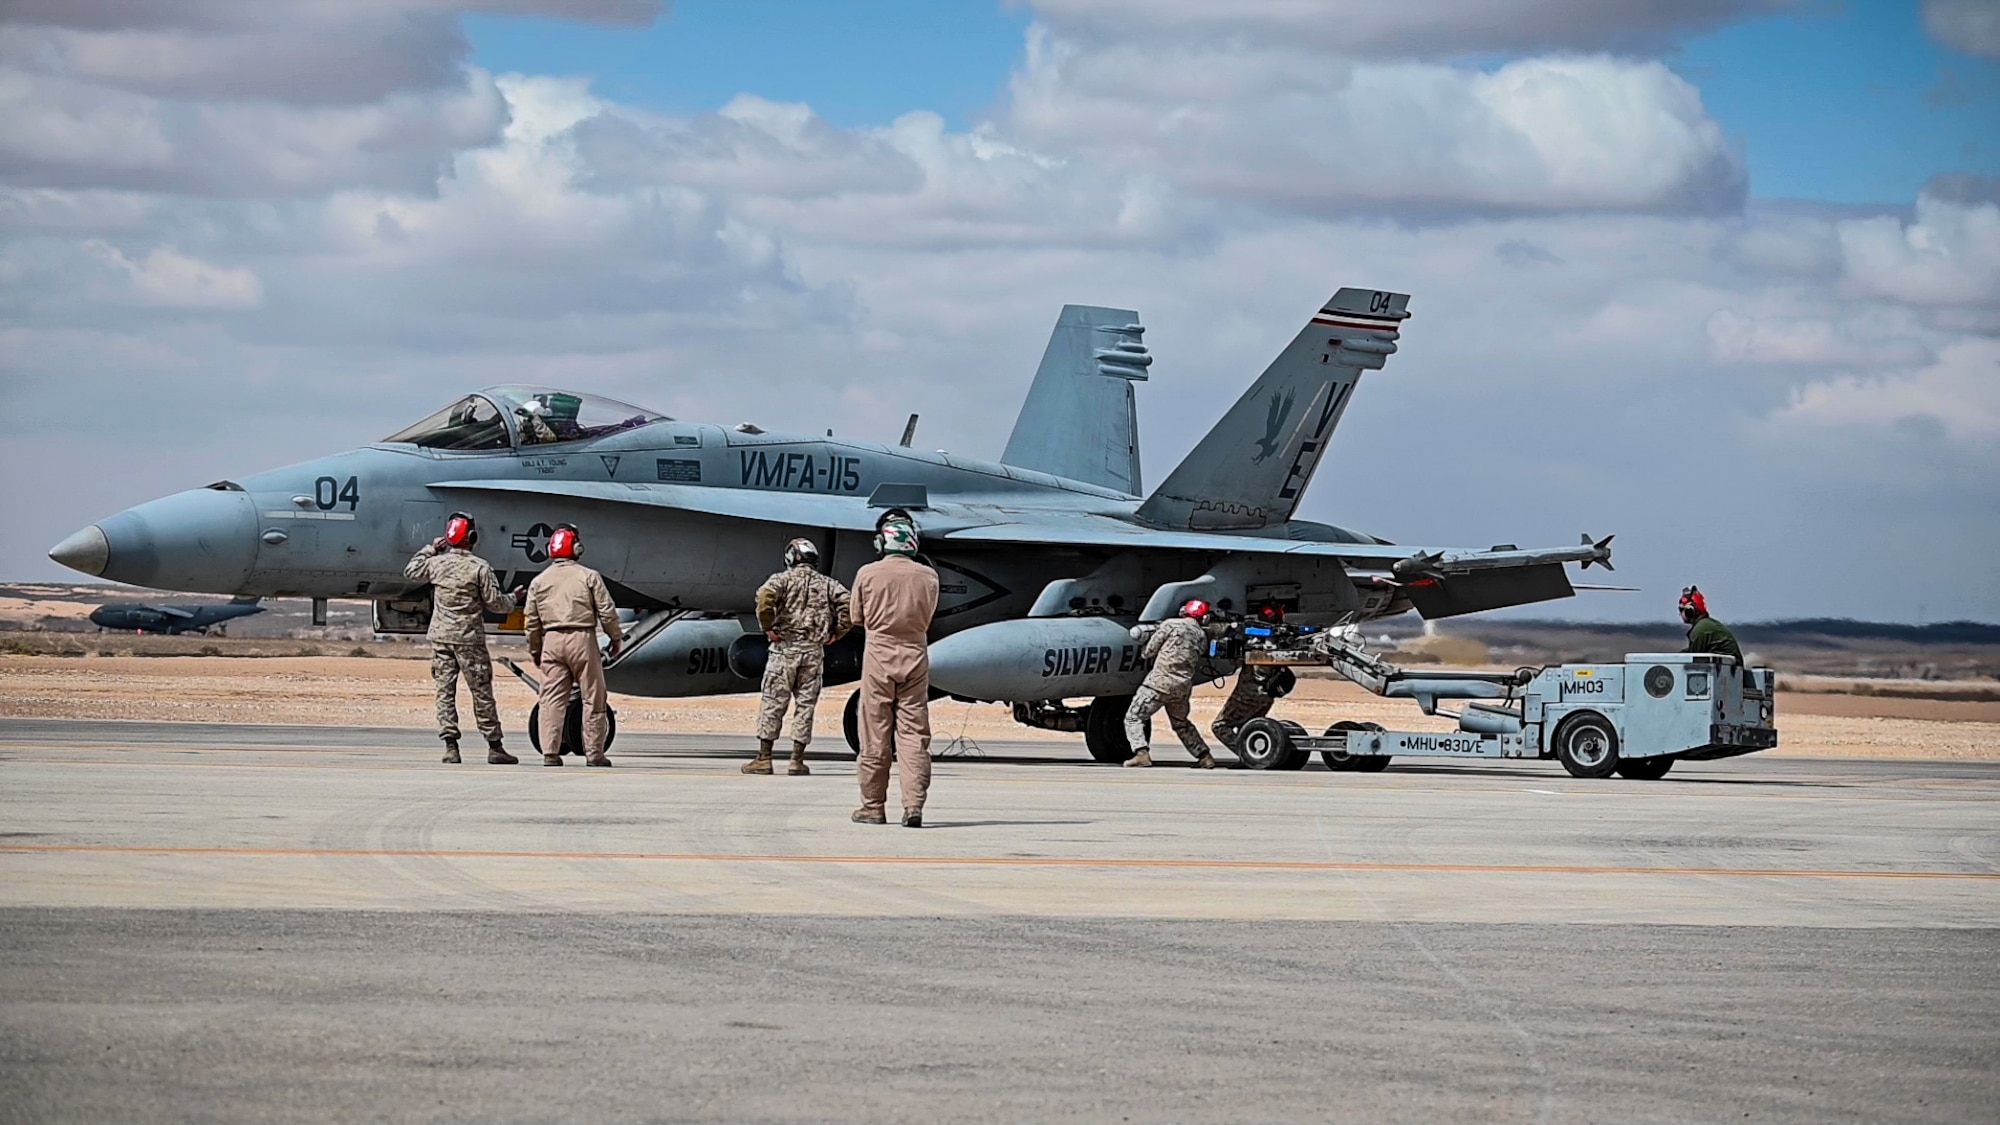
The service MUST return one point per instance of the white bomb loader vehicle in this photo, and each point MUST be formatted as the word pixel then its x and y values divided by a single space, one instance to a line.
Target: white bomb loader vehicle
pixel 1634 718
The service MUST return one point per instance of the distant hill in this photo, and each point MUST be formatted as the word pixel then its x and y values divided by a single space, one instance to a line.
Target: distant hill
pixel 1843 628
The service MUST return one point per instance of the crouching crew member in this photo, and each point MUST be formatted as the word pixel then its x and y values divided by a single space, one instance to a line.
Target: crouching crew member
pixel 1175 648
pixel 894 599
pixel 1258 686
pixel 566 605
pixel 463 592
pixel 1705 633
pixel 801 611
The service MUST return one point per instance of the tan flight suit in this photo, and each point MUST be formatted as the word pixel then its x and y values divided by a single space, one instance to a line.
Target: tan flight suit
pixel 566 605
pixel 1175 648
pixel 805 610
pixel 463 591
pixel 893 600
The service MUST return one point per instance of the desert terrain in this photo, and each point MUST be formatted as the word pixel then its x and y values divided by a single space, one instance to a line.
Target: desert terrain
pixel 395 690
pixel 1846 689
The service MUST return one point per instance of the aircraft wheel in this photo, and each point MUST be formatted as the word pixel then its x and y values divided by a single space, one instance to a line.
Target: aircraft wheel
pixel 1587 746
pixel 572 739
pixel 1342 760
pixel 1265 744
pixel 1104 729
pixel 850 725
pixel 1644 769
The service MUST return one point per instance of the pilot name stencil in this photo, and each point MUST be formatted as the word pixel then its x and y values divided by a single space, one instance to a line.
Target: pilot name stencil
pixel 546 466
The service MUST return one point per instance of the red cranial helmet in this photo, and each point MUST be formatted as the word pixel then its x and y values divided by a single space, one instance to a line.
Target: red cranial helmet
pixel 565 544
pixel 1691 599
pixel 459 531
pixel 1195 608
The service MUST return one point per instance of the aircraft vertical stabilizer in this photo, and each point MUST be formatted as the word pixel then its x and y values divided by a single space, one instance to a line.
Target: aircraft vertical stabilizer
pixel 1252 469
pixel 1078 421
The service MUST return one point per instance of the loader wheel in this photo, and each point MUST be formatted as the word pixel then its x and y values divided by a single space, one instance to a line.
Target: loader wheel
pixel 1644 769
pixel 572 738
pixel 1342 760
pixel 1265 744
pixel 1104 729
pixel 1587 746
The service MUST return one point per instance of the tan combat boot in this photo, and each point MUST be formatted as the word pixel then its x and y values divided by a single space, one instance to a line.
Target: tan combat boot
pixel 762 762
pixel 1207 762
pixel 497 755
pixel 798 766
pixel 451 751
pixel 1140 760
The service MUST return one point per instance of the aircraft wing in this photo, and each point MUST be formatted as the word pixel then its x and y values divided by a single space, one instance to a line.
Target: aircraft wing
pixel 1403 562
pixel 172 611
pixel 796 509
pixel 1391 562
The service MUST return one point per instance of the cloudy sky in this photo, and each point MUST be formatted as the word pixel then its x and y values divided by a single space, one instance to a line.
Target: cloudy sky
pixel 1720 276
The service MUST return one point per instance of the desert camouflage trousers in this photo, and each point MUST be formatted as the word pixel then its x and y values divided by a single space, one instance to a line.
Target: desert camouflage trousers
pixel 1247 700
pixel 1148 701
pixel 448 662
pixel 792 677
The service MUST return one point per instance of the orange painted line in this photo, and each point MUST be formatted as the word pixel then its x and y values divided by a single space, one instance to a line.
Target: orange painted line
pixel 1001 861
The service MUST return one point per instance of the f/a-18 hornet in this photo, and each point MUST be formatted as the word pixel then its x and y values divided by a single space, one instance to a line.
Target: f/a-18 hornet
pixel 1046 557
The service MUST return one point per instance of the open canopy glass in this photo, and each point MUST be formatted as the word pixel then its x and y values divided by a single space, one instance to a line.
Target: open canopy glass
pixel 504 417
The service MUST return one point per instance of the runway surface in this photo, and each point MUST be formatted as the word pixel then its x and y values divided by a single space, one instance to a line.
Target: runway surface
pixel 209 922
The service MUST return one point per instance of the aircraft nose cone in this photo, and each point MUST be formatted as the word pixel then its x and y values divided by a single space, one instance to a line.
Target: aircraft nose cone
pixel 86 550
pixel 203 540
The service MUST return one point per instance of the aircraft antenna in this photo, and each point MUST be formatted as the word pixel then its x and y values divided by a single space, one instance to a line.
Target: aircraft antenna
pixel 909 432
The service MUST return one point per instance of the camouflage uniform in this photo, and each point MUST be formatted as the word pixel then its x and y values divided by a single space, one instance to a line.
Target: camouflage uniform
pixel 1251 698
pixel 463 591
pixel 805 610
pixel 1175 648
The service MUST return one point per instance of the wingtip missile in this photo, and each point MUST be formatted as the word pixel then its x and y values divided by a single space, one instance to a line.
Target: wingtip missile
pixel 1602 547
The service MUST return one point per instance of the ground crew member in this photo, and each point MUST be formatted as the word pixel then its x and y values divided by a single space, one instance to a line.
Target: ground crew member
pixel 463 592
pixel 1705 633
pixel 1258 686
pixel 1174 648
pixel 801 611
pixel 893 600
pixel 566 605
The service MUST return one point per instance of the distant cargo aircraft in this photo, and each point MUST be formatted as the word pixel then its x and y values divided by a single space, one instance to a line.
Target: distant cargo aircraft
pixel 1046 558
pixel 172 619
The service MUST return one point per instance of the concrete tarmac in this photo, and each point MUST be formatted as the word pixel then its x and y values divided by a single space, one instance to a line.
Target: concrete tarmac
pixel 224 923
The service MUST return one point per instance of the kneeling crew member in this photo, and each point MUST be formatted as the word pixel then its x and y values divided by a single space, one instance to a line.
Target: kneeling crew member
pixel 801 611
pixel 566 604
pixel 1705 633
pixel 1175 648
pixel 893 600
pixel 1258 686
pixel 463 592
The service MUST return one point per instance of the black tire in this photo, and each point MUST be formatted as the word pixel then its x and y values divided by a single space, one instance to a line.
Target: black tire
pixel 1265 744
pixel 1587 745
pixel 1341 761
pixel 1104 729
pixel 572 739
pixel 1644 769
pixel 850 726
pixel 1297 758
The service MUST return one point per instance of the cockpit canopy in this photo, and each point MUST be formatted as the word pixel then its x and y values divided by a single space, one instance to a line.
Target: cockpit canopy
pixel 506 417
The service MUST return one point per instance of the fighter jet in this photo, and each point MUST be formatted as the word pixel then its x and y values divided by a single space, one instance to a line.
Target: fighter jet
pixel 172 620
pixel 1046 557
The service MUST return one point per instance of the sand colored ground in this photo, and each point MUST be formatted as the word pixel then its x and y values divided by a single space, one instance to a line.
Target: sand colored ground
pixel 378 692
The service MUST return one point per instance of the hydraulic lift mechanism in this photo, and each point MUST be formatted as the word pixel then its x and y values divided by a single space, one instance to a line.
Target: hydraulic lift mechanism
pixel 1634 719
